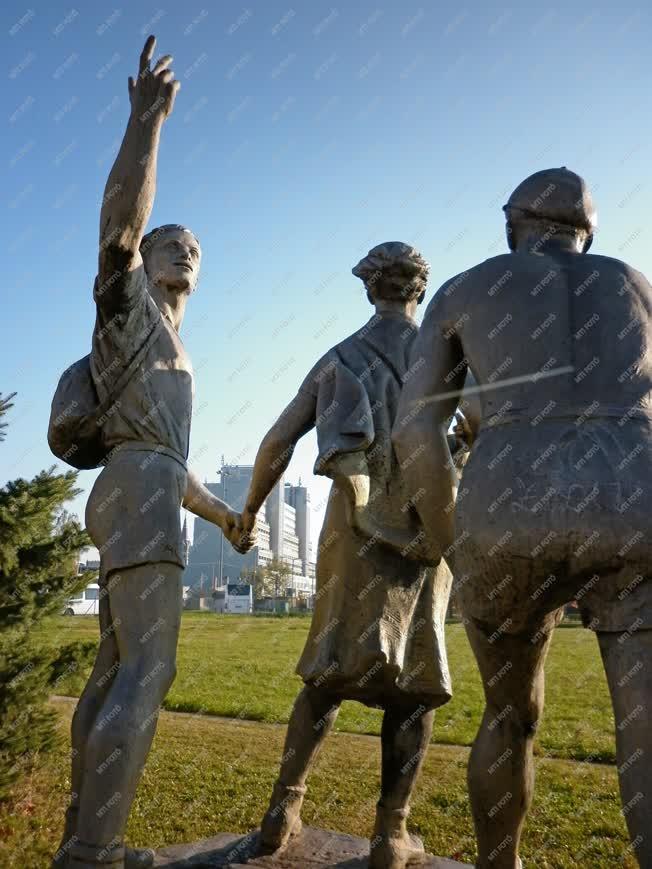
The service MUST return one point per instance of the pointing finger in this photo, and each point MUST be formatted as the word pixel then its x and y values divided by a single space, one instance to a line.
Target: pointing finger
pixel 146 54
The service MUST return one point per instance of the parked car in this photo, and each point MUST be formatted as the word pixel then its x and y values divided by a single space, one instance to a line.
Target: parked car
pixel 85 602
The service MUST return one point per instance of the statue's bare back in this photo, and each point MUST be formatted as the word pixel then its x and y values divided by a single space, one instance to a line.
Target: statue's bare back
pixel 550 508
pixel 565 439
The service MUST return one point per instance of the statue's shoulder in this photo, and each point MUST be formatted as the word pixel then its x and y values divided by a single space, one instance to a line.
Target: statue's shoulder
pixel 501 262
pixel 612 264
pixel 347 351
pixel 322 370
pixel 615 273
pixel 378 335
pixel 454 293
pixel 475 273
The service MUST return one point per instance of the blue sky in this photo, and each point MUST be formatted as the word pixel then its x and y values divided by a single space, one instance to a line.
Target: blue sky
pixel 304 133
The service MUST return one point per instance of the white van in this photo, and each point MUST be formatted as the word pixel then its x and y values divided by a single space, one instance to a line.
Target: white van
pixel 84 603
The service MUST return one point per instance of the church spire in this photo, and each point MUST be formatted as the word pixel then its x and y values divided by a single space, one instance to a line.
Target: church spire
pixel 185 539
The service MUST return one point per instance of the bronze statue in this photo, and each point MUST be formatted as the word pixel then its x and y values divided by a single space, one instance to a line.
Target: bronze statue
pixel 555 489
pixel 377 630
pixel 140 374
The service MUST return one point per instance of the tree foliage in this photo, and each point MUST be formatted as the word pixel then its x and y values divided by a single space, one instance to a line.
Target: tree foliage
pixel 259 581
pixel 6 404
pixel 270 580
pixel 39 552
pixel 278 573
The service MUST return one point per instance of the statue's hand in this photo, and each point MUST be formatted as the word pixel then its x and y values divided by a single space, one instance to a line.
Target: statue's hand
pixel 240 534
pixel 152 94
pixel 462 430
pixel 417 547
pixel 248 520
pixel 423 548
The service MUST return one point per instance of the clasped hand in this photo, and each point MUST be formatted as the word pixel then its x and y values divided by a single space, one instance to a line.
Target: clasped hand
pixel 240 530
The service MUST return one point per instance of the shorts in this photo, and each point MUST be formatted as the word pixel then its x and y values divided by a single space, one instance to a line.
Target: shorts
pixel 562 518
pixel 133 512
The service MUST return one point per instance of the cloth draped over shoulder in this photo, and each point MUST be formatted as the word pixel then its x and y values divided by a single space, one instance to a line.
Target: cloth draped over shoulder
pixel 377 633
pixel 344 418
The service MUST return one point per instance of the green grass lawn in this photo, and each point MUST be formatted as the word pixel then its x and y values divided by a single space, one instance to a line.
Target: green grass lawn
pixel 243 667
pixel 209 775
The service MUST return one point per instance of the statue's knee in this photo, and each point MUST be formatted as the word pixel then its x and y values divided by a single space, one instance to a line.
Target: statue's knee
pixel 528 717
pixel 83 717
pixel 529 725
pixel 156 676
pixel 150 675
pixel 512 718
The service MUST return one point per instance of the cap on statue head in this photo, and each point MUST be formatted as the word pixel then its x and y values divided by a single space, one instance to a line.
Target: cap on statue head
pixel 558 195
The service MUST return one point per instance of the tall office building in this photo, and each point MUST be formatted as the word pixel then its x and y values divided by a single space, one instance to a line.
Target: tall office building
pixel 298 498
pixel 283 533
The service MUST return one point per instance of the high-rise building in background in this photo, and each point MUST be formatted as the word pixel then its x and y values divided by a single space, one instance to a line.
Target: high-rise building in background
pixel 283 534
pixel 297 499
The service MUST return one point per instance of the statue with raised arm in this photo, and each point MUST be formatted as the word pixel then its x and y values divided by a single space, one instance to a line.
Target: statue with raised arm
pixel 377 632
pixel 139 374
pixel 552 505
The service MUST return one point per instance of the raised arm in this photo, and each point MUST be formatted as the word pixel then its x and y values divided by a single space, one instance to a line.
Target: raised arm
pixel 276 450
pixel 129 193
pixel 427 404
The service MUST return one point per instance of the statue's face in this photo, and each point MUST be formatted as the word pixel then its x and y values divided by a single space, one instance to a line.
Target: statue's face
pixel 173 261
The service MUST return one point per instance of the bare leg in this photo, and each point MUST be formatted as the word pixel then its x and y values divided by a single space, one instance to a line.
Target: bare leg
pixel 313 716
pixel 627 660
pixel 501 766
pixel 405 738
pixel 121 735
pixel 405 735
pixel 93 695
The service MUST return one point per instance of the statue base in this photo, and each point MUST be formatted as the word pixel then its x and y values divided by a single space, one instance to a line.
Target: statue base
pixel 313 849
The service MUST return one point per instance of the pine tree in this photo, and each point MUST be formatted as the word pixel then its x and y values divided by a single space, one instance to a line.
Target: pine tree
pixel 39 551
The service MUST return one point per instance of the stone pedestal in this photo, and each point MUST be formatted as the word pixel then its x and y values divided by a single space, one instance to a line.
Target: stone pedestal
pixel 313 849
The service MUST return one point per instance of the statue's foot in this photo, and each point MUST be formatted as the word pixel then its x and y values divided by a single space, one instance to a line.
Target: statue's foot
pixel 396 853
pixel 392 847
pixel 282 819
pixel 86 856
pixel 139 858
pixel 135 858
